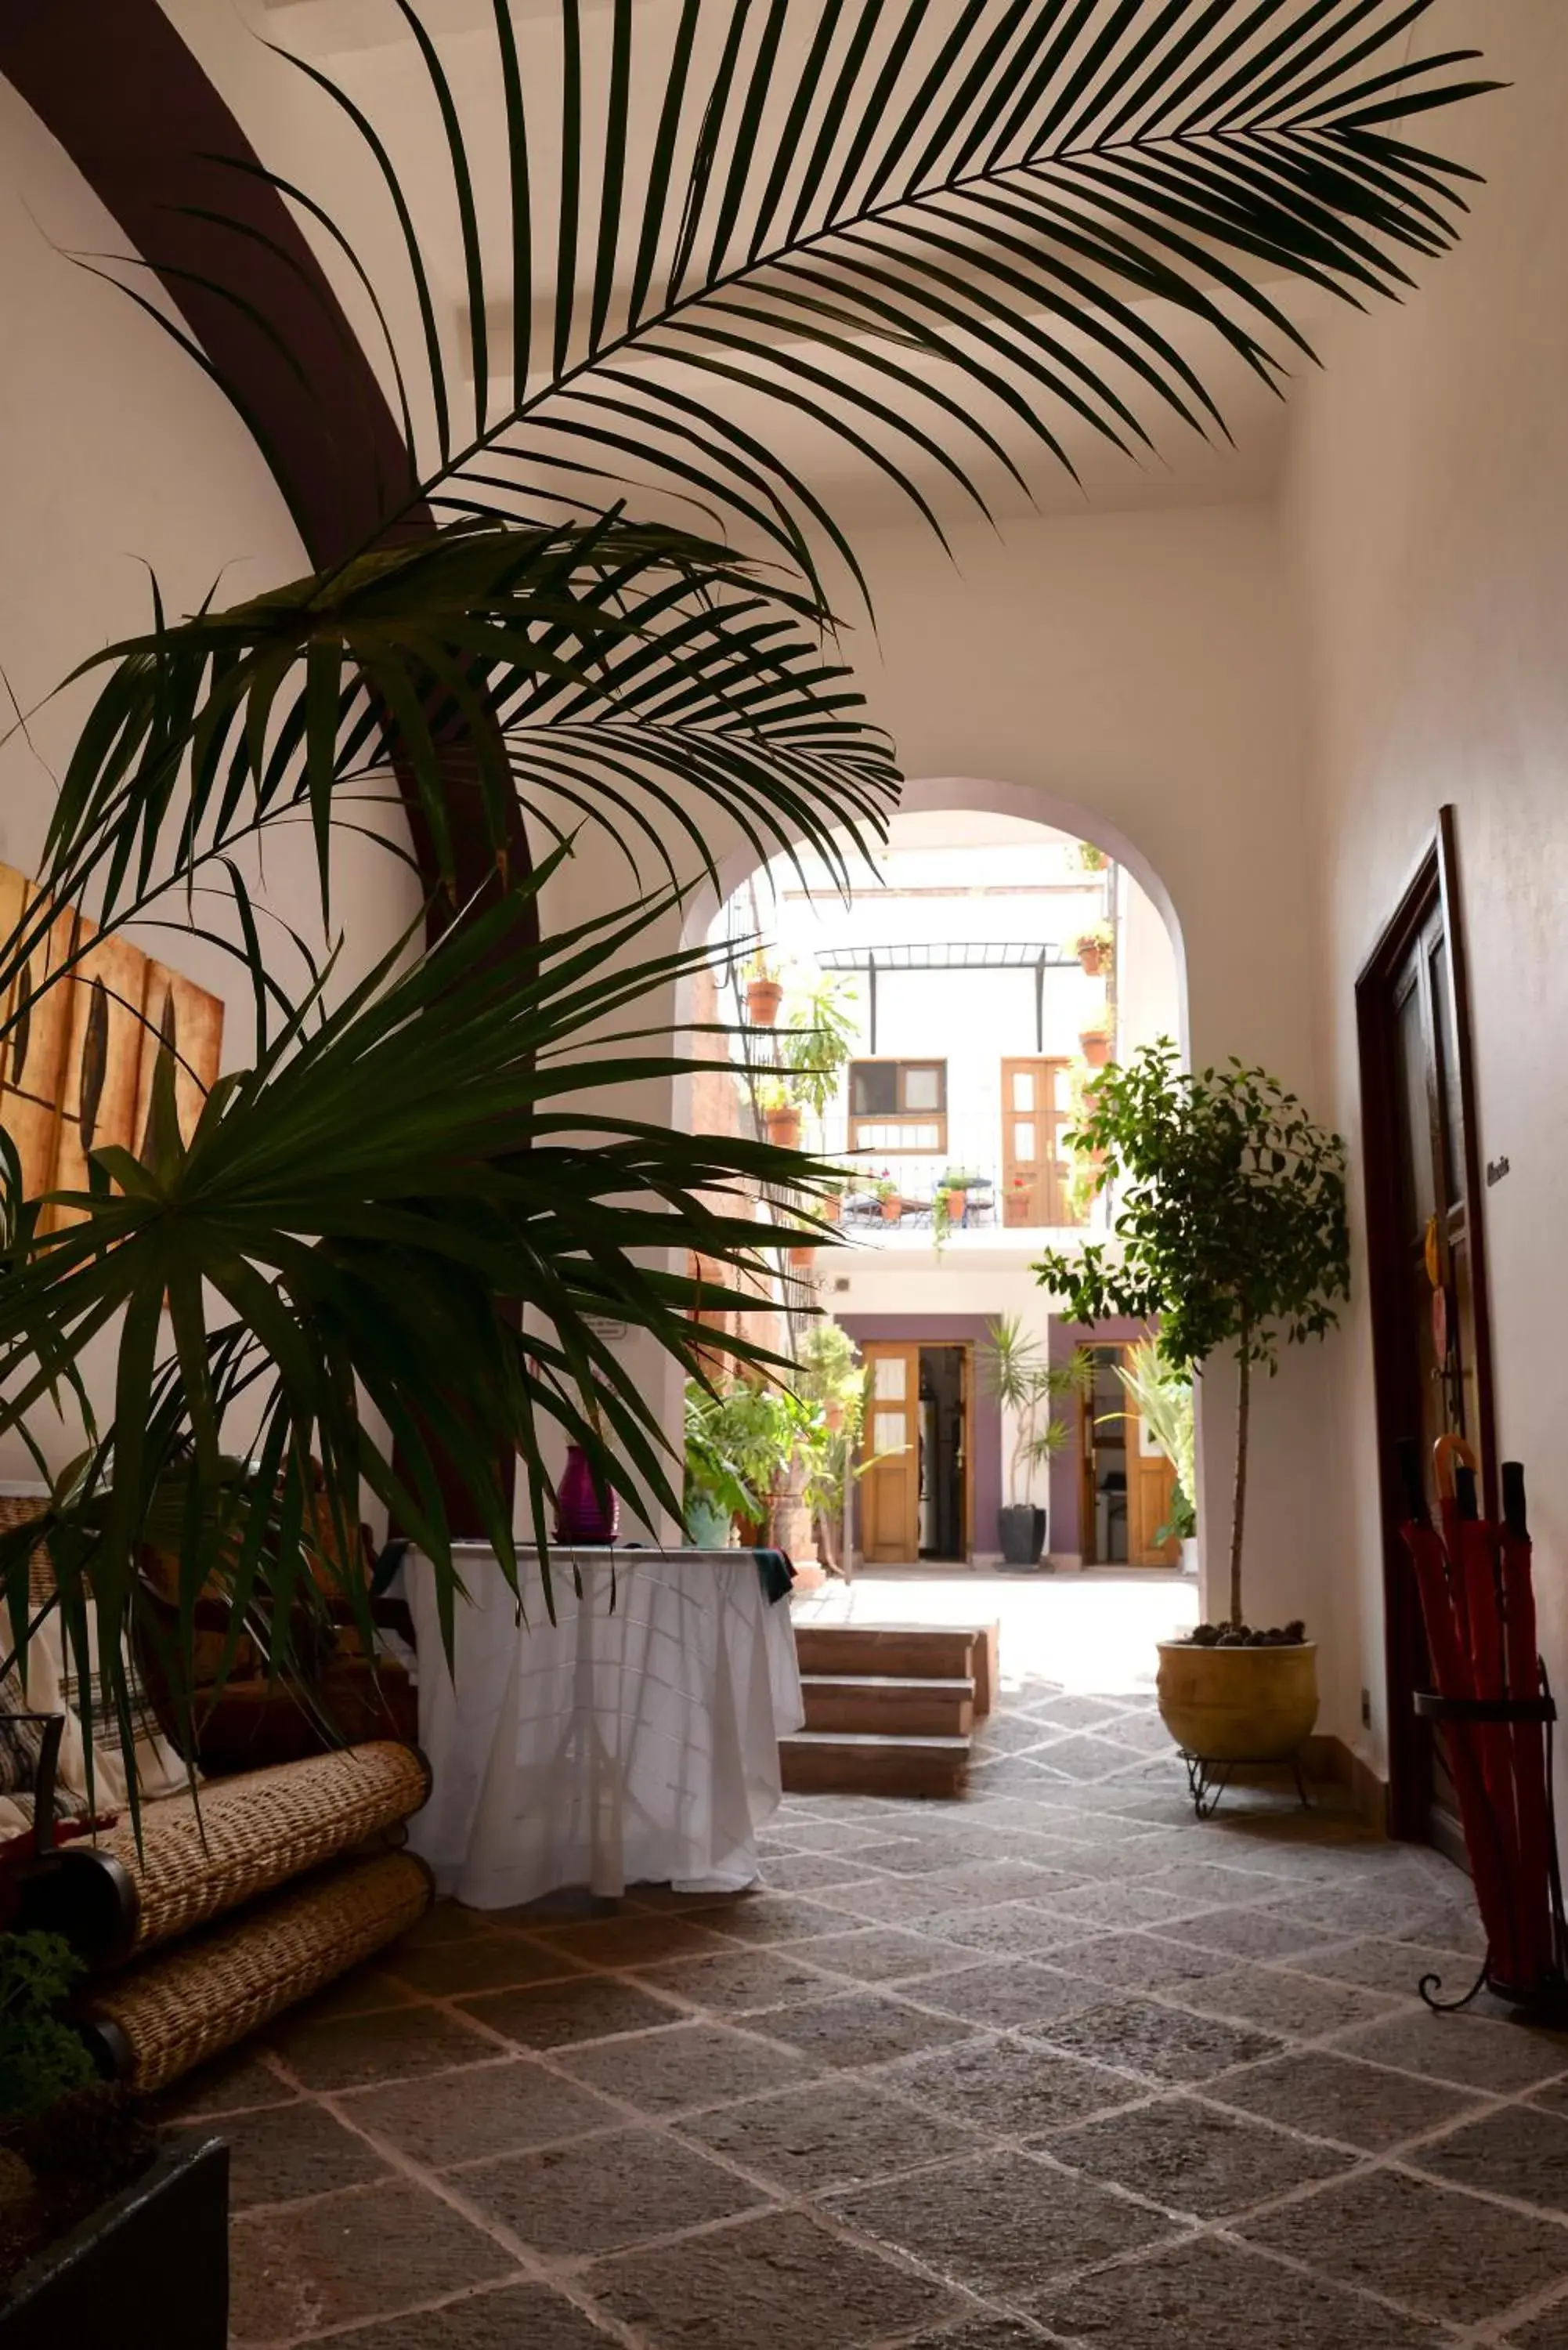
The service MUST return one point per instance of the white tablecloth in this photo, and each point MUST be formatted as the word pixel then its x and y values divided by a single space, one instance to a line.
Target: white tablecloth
pixel 634 1740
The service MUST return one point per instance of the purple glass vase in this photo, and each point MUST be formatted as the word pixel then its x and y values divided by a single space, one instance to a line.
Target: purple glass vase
pixel 583 1513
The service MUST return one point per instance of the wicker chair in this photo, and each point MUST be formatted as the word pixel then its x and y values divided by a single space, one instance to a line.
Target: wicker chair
pixel 238 1898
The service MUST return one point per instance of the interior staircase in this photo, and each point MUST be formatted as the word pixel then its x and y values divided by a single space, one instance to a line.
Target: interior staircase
pixel 890 1708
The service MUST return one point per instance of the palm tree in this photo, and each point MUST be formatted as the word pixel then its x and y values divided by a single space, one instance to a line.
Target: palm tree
pixel 945 237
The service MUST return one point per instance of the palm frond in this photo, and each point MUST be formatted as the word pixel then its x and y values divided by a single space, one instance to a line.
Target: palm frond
pixel 336 1248
pixel 926 229
pixel 613 673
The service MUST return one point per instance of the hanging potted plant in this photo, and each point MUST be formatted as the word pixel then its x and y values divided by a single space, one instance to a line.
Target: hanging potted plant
pixel 1094 1039
pixel 1029 1388
pixel 1232 1230
pixel 1094 947
pixel 92 2205
pixel 763 992
pixel 781 1114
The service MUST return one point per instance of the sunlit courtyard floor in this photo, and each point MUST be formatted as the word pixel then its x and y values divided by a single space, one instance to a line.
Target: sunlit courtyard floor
pixel 1051 2064
pixel 1093 1632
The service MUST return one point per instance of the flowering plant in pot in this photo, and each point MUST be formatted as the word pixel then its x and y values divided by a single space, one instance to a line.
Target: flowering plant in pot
pixel 1026 1384
pixel 1094 948
pixel 1231 1229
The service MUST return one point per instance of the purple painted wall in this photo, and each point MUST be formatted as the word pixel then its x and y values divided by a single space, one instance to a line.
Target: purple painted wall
pixel 948 1330
pixel 1065 1336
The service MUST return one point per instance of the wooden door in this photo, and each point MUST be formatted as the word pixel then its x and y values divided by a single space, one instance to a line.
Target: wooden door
pixel 1151 1481
pixel 1426 1273
pixel 1032 1172
pixel 891 1452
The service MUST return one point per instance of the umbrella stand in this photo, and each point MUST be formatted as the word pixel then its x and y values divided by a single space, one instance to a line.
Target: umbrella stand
pixel 1491 1706
pixel 1549 1995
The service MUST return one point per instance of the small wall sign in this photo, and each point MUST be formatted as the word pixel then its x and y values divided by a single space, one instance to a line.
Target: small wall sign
pixel 1496 1169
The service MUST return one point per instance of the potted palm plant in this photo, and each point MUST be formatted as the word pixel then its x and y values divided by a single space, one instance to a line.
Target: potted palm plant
pixel 1162 1400
pixel 1230 1228
pixel 1029 1388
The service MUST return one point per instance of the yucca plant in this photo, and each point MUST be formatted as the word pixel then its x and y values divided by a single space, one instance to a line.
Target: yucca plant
pixel 946 236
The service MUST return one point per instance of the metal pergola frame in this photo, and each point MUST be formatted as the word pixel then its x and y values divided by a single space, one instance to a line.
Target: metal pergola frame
pixel 974 954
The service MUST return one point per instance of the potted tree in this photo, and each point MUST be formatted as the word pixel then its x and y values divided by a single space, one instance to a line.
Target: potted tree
pixel 1029 1388
pixel 94 2210
pixel 1231 1229
pixel 1094 1039
pixel 1092 947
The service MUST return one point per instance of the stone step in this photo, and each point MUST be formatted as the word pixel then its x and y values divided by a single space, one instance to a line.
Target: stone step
pixel 883 1703
pixel 840 1762
pixel 904 1652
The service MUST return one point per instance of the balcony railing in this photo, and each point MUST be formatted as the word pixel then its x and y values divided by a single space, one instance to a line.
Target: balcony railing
pixel 995 1200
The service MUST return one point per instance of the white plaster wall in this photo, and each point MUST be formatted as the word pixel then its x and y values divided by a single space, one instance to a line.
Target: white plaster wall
pixel 1131 677
pixel 118 455
pixel 1427 516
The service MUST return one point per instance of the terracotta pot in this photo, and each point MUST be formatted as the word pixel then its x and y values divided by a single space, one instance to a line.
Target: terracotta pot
pixel 802 1259
pixel 892 1209
pixel 957 1204
pixel 1092 959
pixel 1238 1705
pixel 833 1209
pixel 764 997
pixel 1097 1047
pixel 783 1127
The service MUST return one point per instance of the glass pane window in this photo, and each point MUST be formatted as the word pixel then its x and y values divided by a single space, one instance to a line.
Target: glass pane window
pixel 1023 1090
pixel 873 1089
pixel 1023 1138
pixel 887 1432
pixel 887 1379
pixel 922 1088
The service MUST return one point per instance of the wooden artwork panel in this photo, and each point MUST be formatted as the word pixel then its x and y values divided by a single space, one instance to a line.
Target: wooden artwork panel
pixel 77 1057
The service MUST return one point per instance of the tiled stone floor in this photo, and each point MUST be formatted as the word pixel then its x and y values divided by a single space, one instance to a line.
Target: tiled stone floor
pixel 1051 2064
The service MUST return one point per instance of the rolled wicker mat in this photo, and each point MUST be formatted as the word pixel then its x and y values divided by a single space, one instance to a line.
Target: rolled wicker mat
pixel 159 2018
pixel 239 1837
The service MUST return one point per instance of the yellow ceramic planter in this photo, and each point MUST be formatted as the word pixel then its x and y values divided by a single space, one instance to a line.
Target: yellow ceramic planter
pixel 1238 1705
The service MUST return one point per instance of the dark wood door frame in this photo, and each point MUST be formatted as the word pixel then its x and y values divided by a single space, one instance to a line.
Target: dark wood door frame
pixel 1433 887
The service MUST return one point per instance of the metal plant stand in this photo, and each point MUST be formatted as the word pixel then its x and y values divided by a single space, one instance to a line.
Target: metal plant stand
pixel 1207 1776
pixel 1546 2003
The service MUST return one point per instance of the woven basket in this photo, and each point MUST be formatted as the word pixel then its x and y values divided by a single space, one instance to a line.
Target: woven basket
pixel 239 1837
pixel 157 2020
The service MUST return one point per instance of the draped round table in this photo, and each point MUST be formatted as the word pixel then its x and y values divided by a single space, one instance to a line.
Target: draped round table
pixel 633 1740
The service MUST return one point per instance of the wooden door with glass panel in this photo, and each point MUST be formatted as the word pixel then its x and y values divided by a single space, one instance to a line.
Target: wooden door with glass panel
pixel 1151 1482
pixel 1031 1113
pixel 890 1454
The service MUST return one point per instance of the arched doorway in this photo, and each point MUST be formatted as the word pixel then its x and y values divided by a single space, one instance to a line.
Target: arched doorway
pixel 968 1000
